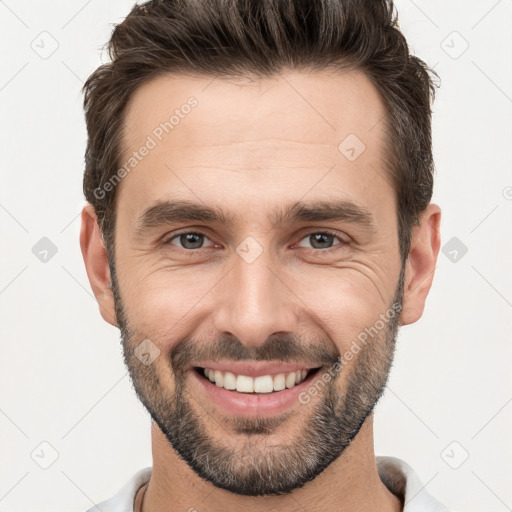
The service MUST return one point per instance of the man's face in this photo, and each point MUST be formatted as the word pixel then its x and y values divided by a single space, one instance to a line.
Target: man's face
pixel 271 281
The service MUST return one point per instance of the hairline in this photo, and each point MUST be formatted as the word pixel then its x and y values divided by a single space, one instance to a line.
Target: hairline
pixel 389 156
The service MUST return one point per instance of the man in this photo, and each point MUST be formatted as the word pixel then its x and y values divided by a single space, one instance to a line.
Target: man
pixel 258 177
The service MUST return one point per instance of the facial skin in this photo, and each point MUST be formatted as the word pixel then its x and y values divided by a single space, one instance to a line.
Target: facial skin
pixel 253 149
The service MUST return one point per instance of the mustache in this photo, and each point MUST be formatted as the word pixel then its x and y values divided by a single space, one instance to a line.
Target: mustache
pixel 277 347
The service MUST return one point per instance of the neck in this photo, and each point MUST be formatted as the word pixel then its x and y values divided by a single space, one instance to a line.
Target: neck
pixel 350 483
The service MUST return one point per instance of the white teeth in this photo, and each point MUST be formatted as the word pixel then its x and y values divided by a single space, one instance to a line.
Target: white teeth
pixel 264 384
pixel 219 378
pixel 229 381
pixel 290 380
pixel 261 384
pixel 244 384
pixel 279 382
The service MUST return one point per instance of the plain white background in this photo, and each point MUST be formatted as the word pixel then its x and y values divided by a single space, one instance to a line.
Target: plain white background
pixel 448 408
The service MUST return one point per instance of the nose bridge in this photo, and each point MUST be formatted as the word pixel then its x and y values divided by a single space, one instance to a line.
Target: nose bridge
pixel 255 303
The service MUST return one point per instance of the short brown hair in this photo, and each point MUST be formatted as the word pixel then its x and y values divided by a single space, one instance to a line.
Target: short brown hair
pixel 260 38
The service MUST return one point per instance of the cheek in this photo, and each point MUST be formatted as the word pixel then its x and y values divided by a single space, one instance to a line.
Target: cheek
pixel 161 304
pixel 166 304
pixel 343 303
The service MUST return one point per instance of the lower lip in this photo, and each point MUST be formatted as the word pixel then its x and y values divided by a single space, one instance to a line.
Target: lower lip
pixel 251 405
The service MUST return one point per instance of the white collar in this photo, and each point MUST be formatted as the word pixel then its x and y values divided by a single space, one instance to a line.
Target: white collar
pixel 402 481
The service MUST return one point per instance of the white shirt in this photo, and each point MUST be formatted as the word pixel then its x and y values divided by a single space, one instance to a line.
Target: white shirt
pixel 396 474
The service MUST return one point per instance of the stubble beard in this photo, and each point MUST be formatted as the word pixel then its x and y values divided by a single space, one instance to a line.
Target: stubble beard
pixel 254 464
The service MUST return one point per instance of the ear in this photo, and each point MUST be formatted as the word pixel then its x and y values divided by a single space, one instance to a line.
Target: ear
pixel 421 263
pixel 96 263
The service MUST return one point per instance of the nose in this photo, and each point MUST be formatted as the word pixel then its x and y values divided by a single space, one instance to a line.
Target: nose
pixel 256 301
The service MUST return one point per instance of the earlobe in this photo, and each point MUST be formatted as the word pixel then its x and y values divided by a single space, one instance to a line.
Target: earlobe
pixel 421 264
pixel 96 263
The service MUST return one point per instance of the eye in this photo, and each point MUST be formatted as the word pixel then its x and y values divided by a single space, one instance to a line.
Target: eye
pixel 188 240
pixel 322 240
pixel 194 240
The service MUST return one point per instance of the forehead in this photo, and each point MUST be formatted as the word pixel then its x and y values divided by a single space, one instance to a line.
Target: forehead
pixel 275 135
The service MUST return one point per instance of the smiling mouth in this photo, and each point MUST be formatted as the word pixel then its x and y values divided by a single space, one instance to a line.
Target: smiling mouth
pixel 256 385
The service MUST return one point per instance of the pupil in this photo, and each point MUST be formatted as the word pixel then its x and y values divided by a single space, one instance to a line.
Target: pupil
pixel 189 239
pixel 318 238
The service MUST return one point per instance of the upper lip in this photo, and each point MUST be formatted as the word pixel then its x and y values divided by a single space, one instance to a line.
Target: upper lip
pixel 254 369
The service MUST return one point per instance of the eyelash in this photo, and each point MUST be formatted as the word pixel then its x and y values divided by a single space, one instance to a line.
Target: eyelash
pixel 324 232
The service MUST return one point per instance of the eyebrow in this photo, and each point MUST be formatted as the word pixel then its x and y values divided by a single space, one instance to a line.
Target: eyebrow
pixel 170 212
